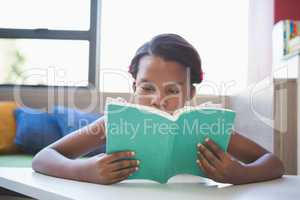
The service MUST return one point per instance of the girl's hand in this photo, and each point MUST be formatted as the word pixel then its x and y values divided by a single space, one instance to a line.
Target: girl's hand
pixel 218 165
pixel 108 169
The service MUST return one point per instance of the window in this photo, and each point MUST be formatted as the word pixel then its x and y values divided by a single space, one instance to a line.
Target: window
pixel 49 43
pixel 218 30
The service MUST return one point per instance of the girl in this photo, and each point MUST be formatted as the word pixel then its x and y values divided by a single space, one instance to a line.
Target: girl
pixel 164 70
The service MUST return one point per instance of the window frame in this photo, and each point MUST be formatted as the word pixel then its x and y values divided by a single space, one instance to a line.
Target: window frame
pixel 92 36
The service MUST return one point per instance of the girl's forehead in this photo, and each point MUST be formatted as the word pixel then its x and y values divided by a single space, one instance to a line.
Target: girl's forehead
pixel 154 68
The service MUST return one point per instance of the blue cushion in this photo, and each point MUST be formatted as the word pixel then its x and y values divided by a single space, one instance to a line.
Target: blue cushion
pixel 35 129
pixel 69 120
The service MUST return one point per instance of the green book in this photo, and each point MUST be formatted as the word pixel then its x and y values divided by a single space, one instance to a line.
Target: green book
pixel 165 144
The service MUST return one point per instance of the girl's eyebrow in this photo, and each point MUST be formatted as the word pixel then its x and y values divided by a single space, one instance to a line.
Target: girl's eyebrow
pixel 145 80
pixel 174 82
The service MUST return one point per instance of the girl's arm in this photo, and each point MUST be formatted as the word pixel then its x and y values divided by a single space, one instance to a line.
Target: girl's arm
pixel 260 164
pixel 245 162
pixel 59 158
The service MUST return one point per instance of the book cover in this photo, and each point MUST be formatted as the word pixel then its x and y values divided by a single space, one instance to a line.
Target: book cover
pixel 165 144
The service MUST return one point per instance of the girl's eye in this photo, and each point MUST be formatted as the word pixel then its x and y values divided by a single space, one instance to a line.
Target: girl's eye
pixel 148 89
pixel 173 91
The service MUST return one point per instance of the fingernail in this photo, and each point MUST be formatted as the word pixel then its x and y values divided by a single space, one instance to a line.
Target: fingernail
pixel 136 168
pixel 138 162
pixel 132 153
pixel 206 139
pixel 198 161
pixel 198 145
pixel 198 152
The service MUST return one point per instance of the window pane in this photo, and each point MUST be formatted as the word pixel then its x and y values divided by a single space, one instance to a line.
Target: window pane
pixel 45 62
pixel 51 14
pixel 218 30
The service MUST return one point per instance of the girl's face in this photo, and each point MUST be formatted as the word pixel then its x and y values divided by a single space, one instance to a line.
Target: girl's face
pixel 162 84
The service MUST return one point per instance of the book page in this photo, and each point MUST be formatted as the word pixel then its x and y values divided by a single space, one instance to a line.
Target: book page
pixel 195 126
pixel 129 129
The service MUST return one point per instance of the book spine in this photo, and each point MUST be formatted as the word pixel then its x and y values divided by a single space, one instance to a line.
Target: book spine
pixel 294 29
pixel 298 27
pixel 291 30
pixel 285 37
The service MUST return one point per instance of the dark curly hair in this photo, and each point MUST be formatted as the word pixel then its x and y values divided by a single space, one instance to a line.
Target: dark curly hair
pixel 170 47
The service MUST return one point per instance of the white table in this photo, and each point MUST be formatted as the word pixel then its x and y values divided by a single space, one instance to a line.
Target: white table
pixel 30 183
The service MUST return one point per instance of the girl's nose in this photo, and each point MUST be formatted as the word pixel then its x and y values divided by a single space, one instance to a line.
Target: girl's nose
pixel 158 102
